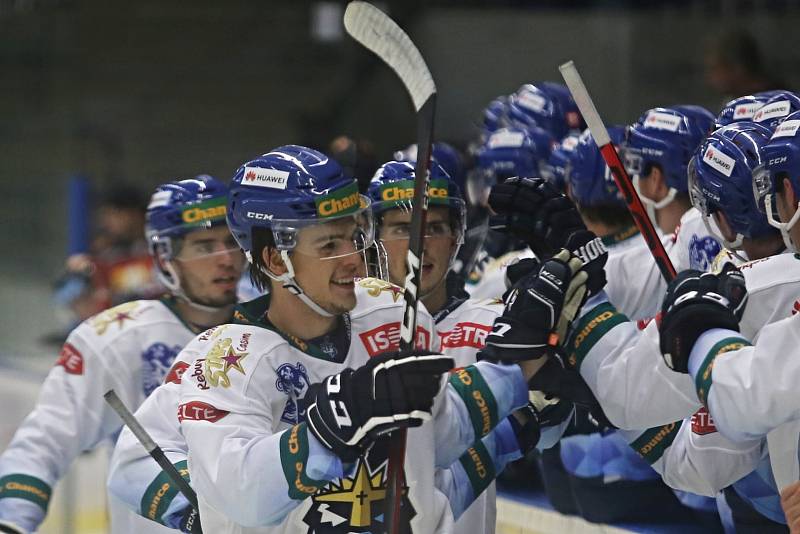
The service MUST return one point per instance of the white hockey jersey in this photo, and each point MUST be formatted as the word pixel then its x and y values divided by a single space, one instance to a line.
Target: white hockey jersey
pixel 279 395
pixel 128 348
pixel 636 286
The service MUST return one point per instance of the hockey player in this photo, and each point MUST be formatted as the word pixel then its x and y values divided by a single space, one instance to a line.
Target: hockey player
pixel 128 348
pixel 769 398
pixel 317 451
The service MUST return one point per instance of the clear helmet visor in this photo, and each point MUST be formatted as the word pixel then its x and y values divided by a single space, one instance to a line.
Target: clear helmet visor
pixel 450 227
pixel 330 237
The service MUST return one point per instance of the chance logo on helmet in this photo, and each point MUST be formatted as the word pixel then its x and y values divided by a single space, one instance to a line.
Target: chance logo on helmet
pixel 342 202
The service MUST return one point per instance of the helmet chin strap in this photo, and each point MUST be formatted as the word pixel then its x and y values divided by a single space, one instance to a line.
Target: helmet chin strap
pixel 663 203
pixel 783 227
pixel 172 282
pixel 288 281
pixel 734 246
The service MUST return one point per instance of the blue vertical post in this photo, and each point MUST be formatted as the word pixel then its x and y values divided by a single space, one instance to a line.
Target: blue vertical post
pixel 78 214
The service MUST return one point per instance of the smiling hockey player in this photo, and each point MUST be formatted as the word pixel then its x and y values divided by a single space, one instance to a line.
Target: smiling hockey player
pixel 129 348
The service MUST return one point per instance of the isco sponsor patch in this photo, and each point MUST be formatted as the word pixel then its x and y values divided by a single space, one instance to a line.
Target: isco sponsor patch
pixel 386 338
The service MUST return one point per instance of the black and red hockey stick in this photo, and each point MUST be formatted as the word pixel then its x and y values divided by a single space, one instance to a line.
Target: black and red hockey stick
pixel 624 183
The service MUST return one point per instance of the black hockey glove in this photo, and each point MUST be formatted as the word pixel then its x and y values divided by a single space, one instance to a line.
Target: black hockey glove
pixel 190 521
pixel 694 303
pixel 594 255
pixel 555 380
pixel 538 310
pixel 535 211
pixel 10 528
pixel 347 411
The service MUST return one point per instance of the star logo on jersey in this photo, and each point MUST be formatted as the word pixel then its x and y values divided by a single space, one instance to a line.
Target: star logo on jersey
pixel 118 314
pixel 220 360
pixel 355 504
pixel 375 287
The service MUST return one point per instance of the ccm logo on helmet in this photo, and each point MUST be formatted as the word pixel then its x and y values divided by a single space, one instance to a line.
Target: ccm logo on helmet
pixel 776 161
pixel 193 215
pixel 259 216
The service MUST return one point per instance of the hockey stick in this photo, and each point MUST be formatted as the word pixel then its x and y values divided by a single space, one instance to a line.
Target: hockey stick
pixel 380 34
pixel 609 153
pixel 150 446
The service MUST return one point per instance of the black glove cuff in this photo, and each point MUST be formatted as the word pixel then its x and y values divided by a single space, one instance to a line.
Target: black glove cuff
pixel 681 327
pixel 525 424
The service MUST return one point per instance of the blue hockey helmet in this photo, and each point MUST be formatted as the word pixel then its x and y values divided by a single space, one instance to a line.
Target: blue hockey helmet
pixel 780 158
pixel 666 138
pixel 177 209
pixel 291 188
pixel 443 154
pixel 392 187
pixel 508 152
pixel 721 180
pixel 495 115
pixel 554 169
pixel 569 108
pixel 545 107
pixel 741 109
pixel 590 181
pixel 776 108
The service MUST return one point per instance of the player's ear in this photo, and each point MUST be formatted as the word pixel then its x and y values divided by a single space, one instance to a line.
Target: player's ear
pixel 273 261
pixel 791 194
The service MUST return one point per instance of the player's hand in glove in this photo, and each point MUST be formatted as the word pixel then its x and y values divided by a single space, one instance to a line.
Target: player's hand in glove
pixel 538 311
pixel 694 303
pixel 555 380
pixel 11 528
pixel 347 411
pixel 534 210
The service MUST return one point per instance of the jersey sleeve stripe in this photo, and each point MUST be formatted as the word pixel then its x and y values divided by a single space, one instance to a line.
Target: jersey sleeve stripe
pixel 652 443
pixel 294 459
pixel 160 494
pixel 477 397
pixel 479 466
pixel 590 329
pixel 26 487
pixel 703 378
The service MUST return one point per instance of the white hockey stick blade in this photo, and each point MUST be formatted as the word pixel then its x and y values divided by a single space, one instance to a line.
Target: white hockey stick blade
pixel 376 31
pixel 575 84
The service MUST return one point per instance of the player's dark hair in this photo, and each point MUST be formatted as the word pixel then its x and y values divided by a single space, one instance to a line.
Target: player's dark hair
pixel 617 217
pixel 262 238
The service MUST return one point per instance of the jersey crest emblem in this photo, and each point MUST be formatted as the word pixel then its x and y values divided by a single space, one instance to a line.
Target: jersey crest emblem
pixel 355 504
pixel 702 251
pixel 375 287
pixel 156 362
pixel 292 380
pixel 118 314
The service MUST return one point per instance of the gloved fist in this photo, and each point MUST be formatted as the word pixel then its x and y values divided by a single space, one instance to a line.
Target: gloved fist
pixel 347 411
pixel 534 210
pixel 594 255
pixel 694 303
pixel 10 528
pixel 555 380
pixel 538 310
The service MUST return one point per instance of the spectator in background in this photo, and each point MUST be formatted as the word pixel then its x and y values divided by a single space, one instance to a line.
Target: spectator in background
pixel 357 158
pixel 117 267
pixel 734 65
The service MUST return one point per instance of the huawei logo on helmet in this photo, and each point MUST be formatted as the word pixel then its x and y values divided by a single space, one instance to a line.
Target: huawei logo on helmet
pixel 710 153
pixel 250 176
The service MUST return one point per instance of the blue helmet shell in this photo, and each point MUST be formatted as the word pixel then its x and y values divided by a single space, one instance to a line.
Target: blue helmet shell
pixel 777 108
pixel 383 188
pixel 290 182
pixel 667 137
pixel 177 208
pixel 590 181
pixel 721 177
pixel 544 106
